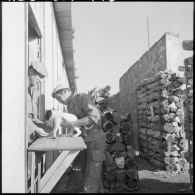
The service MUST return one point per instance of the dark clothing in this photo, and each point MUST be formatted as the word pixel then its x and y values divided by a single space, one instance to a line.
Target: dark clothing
pixel 91 161
pixel 92 158
pixel 82 106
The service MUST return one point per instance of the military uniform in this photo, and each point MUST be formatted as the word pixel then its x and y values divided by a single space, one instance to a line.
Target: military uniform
pixel 92 158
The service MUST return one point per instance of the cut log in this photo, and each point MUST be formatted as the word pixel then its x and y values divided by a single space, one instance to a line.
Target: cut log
pixel 171 168
pixel 152 85
pixel 108 159
pixel 179 104
pixel 154 126
pixel 164 103
pixel 142 124
pixel 128 139
pixel 153 119
pixel 156 163
pixel 118 147
pixel 110 137
pixel 165 93
pixel 168 127
pixel 118 137
pixel 174 160
pixel 124 154
pixel 141 90
pixel 106 184
pixel 173 148
pixel 172 107
pixel 120 162
pixel 120 175
pixel 168 117
pixel 141 95
pixel 188 61
pixel 169 153
pixel 190 82
pixel 130 164
pixel 187 45
pixel 109 176
pixel 125 127
pixel 178 92
pixel 152 97
pixel 164 81
pixel 180 112
pixel 182 162
pixel 183 144
pixel 112 187
pixel 131 173
pixel 131 185
pixel 178 167
pixel 131 154
pixel 169 137
pixel 120 187
pixel 154 134
pixel 167 159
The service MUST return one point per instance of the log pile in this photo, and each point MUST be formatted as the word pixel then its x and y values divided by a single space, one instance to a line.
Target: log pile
pixel 188 103
pixel 120 172
pixel 160 116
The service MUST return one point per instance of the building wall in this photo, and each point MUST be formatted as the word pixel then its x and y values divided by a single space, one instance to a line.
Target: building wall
pixel 164 54
pixel 55 66
pixel 20 47
pixel 13 97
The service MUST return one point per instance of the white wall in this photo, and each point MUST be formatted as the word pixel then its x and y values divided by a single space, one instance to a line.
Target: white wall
pixel 13 97
pixel 53 58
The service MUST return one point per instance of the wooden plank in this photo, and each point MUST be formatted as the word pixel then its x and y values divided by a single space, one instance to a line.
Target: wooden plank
pixel 71 143
pixel 32 172
pixel 53 168
pixel 59 143
pixel 44 144
pixel 59 171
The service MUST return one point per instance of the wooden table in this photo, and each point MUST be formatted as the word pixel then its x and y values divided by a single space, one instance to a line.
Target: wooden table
pixel 70 148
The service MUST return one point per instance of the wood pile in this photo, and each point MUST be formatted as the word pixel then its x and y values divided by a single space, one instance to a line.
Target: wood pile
pixel 188 103
pixel 160 116
pixel 120 172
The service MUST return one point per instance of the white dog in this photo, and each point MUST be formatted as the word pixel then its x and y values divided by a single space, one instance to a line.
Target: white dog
pixel 60 119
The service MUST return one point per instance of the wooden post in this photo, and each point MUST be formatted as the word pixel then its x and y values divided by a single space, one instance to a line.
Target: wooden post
pixel 32 172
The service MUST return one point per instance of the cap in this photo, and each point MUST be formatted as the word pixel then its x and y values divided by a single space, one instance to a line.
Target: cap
pixel 40 68
pixel 58 88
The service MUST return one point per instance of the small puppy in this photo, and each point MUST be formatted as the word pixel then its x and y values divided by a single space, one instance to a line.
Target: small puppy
pixel 60 119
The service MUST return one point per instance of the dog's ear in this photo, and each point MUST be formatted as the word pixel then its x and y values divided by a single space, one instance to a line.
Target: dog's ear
pixel 48 115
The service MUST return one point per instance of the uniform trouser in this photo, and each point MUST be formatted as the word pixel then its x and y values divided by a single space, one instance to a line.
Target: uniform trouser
pixel 91 165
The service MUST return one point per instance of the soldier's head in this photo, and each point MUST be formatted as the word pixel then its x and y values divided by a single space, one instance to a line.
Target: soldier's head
pixel 36 71
pixel 62 94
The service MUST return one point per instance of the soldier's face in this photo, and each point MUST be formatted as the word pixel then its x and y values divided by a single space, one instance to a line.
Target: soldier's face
pixel 33 78
pixel 63 96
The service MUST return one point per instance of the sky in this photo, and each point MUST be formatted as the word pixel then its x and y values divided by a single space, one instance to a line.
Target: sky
pixel 111 36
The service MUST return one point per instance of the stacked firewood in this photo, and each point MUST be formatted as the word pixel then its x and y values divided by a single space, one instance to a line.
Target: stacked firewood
pixel 160 116
pixel 188 103
pixel 119 168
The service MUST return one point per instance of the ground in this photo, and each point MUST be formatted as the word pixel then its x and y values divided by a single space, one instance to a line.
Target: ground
pixel 152 180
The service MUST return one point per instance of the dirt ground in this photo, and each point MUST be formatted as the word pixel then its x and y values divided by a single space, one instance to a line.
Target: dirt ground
pixel 152 180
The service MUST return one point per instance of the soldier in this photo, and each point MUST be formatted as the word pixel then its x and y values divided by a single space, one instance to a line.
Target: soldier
pixel 88 115
pixel 36 71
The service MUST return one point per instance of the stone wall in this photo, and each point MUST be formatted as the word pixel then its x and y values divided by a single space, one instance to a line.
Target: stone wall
pixel 164 54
